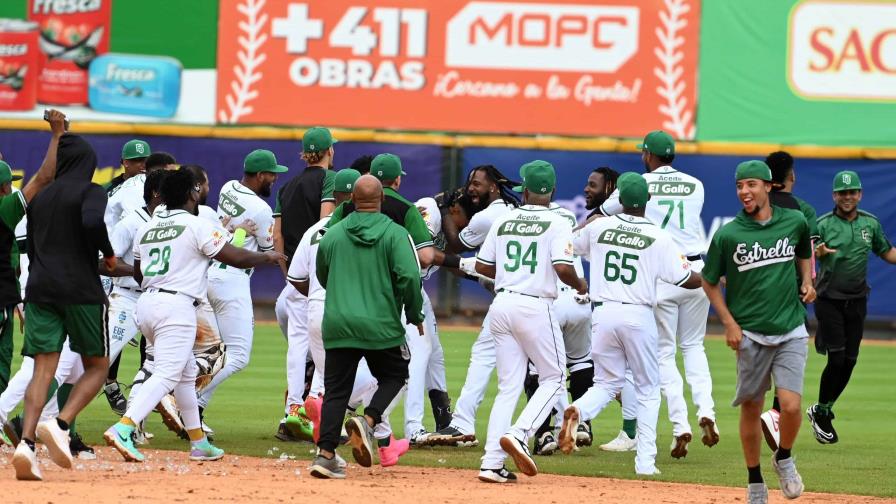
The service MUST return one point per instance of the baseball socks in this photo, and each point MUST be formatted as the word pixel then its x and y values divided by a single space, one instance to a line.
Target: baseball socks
pixel 630 427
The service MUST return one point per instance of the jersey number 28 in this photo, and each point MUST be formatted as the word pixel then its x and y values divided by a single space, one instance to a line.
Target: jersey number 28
pixel 158 262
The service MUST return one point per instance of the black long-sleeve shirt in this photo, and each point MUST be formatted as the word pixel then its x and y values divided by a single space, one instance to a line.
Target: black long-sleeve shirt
pixel 66 231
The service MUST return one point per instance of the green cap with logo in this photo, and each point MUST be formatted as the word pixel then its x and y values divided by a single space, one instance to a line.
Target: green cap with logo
pixel 658 142
pixel 6 175
pixel 539 177
pixel 345 180
pixel 386 167
pixel 847 180
pixel 135 149
pixel 753 169
pixel 632 190
pixel 317 139
pixel 262 160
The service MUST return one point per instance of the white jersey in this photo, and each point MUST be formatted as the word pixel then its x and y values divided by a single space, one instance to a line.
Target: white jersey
pixel 432 216
pixel 208 213
pixel 122 240
pixel 628 255
pixel 577 261
pixel 174 248
pixel 474 234
pixel 523 246
pixel 676 200
pixel 304 263
pixel 127 198
pixel 241 204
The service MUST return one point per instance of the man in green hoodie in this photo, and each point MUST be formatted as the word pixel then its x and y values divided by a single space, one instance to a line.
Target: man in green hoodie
pixel 369 267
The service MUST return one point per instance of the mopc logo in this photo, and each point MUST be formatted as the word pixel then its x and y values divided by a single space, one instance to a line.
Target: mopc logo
pixel 559 37
pixel 843 50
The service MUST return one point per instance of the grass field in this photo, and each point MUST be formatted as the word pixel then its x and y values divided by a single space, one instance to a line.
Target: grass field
pixel 246 409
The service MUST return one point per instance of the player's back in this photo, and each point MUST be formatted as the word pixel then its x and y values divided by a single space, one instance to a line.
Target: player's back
pixel 676 201
pixel 304 262
pixel 628 255
pixel 240 204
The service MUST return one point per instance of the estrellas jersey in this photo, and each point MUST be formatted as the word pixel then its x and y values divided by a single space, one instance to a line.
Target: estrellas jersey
pixel 126 199
pixel 174 248
pixel 676 200
pixel 304 263
pixel 474 234
pixel 628 255
pixel 122 240
pixel 524 245
pixel 577 261
pixel 241 204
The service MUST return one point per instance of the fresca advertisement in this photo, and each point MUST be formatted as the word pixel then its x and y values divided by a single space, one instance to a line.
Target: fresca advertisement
pixel 132 84
pixel 18 64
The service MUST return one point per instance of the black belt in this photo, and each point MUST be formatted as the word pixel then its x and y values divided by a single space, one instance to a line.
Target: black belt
pixel 129 288
pixel 520 293
pixel 695 258
pixel 166 291
pixel 595 304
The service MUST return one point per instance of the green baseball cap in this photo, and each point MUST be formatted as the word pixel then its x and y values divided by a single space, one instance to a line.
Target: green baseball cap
pixel 633 190
pixel 847 180
pixel 135 149
pixel 753 169
pixel 345 180
pixel 262 160
pixel 386 167
pixel 317 139
pixel 658 142
pixel 6 173
pixel 539 177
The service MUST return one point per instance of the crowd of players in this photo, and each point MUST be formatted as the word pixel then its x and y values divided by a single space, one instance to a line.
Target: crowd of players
pixel 618 344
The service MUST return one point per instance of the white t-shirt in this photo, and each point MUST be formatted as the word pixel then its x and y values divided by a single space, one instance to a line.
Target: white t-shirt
pixel 432 216
pixel 174 248
pixel 524 245
pixel 241 204
pixel 122 240
pixel 676 200
pixel 304 263
pixel 126 199
pixel 577 261
pixel 474 234
pixel 628 255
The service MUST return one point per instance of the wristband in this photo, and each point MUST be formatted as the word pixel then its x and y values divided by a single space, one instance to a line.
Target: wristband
pixel 451 261
pixel 239 237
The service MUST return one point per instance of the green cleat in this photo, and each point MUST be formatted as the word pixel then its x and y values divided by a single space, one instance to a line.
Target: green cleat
pixel 203 451
pixel 121 437
pixel 299 424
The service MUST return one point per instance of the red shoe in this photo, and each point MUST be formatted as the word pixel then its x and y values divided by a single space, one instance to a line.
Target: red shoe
pixel 389 454
pixel 313 408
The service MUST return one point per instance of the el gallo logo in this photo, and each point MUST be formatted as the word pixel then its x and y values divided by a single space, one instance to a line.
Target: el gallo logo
pixel 840 50
pixel 523 36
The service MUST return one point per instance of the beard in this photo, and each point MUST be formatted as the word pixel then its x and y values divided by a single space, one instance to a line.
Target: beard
pixel 264 191
pixel 595 202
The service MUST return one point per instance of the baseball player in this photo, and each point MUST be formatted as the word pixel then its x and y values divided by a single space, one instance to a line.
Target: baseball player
pixel 758 253
pixel 847 235
pixel 628 254
pixel 675 205
pixel 492 192
pixel 228 287
pixel 525 251
pixel 171 253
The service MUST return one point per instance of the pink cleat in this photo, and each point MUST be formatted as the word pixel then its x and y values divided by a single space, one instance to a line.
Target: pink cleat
pixel 389 454
pixel 313 408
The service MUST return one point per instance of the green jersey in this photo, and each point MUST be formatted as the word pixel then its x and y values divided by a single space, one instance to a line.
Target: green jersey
pixel 401 211
pixel 758 263
pixel 12 209
pixel 811 216
pixel 369 268
pixel 842 275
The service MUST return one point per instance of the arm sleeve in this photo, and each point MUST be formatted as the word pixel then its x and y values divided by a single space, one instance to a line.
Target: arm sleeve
pixel 714 264
pixel 326 192
pixel 301 261
pixel 674 267
pixel 121 239
pixel 209 239
pixel 12 209
pixel 486 253
pixel 474 234
pixel 93 207
pixel 879 242
pixel 561 245
pixel 321 261
pixel 406 276
pixel 611 206
pixel 264 235
pixel 804 246
pixel 416 227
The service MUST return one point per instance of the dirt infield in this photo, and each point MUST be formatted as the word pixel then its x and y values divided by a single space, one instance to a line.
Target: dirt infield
pixel 169 477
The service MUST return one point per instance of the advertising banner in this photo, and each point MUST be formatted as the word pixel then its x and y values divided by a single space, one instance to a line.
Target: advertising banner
pixel 223 159
pixel 818 72
pixel 814 179
pixel 459 65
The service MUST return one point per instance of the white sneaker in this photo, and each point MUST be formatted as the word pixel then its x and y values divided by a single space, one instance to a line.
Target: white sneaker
pixel 167 408
pixel 25 462
pixel 650 472
pixel 622 443
pixel 790 480
pixel 418 437
pixel 57 442
pixel 757 493
pixel 770 428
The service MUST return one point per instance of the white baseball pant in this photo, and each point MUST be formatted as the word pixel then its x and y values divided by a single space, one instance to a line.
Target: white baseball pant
pixel 168 322
pixel 435 373
pixel 421 347
pixel 231 299
pixel 624 336
pixel 479 372
pixel 525 329
pixel 296 346
pixel 122 328
pixel 68 370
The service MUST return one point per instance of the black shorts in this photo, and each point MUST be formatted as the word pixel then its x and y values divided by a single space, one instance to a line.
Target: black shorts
pixel 840 325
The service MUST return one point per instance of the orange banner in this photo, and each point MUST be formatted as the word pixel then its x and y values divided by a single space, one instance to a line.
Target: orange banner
pixel 614 67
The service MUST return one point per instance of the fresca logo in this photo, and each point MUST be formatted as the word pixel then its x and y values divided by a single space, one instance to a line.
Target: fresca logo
pixel 840 50
pixel 123 74
pixel 671 188
pixel 66 6
pixel 544 36
pixel 757 256
pixel 13 49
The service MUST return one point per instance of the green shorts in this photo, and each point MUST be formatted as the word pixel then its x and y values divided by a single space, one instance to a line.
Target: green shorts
pixel 47 325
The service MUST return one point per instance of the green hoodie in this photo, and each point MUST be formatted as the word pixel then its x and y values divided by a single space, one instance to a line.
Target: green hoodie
pixel 369 268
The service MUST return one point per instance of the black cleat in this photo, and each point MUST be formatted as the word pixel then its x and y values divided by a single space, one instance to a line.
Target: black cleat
pixel 821 424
